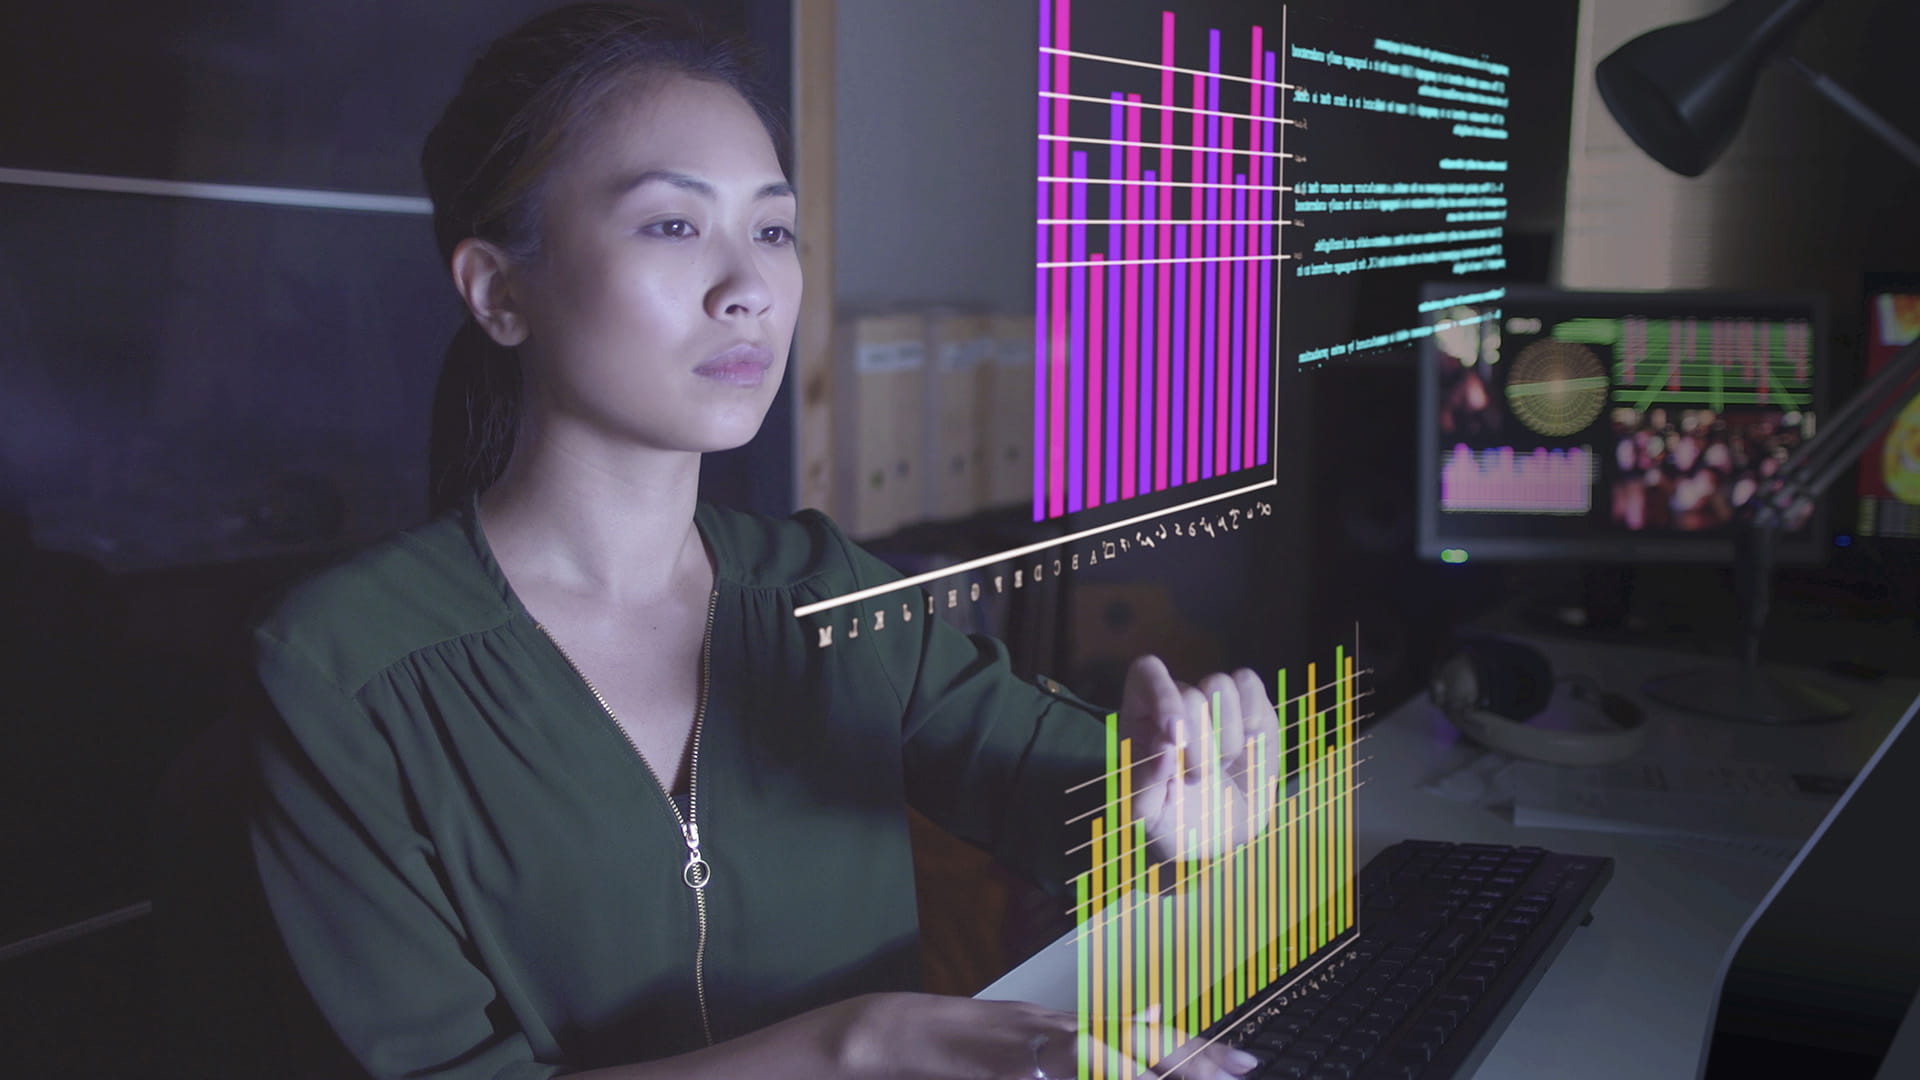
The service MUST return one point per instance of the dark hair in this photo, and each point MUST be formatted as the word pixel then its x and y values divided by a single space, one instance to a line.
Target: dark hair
pixel 486 164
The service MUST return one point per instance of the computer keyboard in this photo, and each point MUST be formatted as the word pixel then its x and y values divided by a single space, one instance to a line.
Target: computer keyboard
pixel 1451 937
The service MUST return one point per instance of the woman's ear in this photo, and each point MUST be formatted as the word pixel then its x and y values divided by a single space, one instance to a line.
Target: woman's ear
pixel 480 272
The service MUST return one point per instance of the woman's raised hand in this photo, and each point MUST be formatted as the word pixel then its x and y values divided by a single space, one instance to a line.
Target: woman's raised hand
pixel 1218 723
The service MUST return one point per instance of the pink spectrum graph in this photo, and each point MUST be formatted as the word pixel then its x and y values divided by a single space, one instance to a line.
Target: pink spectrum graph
pixel 1504 480
pixel 1156 336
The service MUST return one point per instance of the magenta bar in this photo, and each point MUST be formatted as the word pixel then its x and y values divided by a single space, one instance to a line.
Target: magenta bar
pixel 1211 409
pixel 1130 344
pixel 1077 338
pixel 1162 355
pixel 1195 247
pixel 1178 358
pixel 1258 131
pixel 1058 326
pixel 1103 468
pixel 1237 358
pixel 1042 309
pixel 1269 268
pixel 1099 339
pixel 1150 195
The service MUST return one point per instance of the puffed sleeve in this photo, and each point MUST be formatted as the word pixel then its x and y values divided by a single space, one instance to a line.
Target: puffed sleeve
pixel 354 891
pixel 1001 762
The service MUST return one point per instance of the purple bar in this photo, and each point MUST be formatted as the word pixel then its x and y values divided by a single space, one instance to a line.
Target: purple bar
pixel 1147 298
pixel 1238 358
pixel 1116 209
pixel 1178 419
pixel 1210 369
pixel 1040 305
pixel 1270 245
pixel 1077 347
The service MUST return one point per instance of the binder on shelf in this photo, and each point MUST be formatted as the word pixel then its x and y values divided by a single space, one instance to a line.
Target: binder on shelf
pixel 959 350
pixel 1005 411
pixel 879 442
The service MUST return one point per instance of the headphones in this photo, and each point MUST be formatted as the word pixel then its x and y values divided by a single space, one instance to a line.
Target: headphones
pixel 1491 686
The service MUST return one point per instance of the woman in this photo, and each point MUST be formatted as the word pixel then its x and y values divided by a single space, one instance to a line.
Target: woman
pixel 556 781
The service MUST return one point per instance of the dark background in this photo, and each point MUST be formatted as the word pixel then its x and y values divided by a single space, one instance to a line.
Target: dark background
pixel 201 401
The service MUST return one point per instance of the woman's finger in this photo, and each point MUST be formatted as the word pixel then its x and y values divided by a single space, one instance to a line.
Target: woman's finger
pixel 1152 715
pixel 1202 740
pixel 1224 697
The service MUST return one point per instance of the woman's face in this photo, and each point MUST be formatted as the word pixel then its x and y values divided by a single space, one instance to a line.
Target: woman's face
pixel 662 304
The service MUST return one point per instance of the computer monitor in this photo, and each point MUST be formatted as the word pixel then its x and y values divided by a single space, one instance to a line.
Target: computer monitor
pixel 1889 472
pixel 1822 979
pixel 1616 427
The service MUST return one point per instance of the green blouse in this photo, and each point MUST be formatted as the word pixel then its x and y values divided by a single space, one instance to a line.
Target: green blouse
pixel 476 875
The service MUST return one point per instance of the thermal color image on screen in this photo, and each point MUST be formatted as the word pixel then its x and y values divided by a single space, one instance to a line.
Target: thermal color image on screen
pixel 1206 936
pixel 1550 419
pixel 1890 468
pixel 1157 237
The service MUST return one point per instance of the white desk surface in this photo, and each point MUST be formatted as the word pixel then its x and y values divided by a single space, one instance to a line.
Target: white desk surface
pixel 1629 995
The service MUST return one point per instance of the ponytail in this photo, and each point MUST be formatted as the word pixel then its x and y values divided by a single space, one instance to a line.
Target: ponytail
pixel 476 412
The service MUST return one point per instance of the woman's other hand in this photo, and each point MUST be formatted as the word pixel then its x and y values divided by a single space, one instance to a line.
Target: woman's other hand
pixel 932 1037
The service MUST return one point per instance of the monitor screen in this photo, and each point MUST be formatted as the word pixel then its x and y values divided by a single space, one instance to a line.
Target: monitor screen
pixel 1889 484
pixel 1619 427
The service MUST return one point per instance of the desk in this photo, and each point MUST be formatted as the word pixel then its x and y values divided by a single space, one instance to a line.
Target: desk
pixel 1629 995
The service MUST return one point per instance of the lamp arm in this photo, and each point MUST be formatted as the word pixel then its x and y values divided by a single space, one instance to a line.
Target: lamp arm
pixel 1819 461
pixel 1858 109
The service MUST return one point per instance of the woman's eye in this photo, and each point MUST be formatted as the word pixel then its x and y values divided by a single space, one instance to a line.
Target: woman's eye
pixel 777 235
pixel 676 229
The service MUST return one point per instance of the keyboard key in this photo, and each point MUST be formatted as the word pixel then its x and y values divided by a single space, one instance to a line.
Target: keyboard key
pixel 1388 1070
pixel 1287 1068
pixel 1271 1041
pixel 1468 984
pixel 1361 1042
pixel 1412 1053
pixel 1309 1049
pixel 1328 1070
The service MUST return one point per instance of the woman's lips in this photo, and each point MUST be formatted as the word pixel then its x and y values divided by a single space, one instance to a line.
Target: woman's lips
pixel 742 365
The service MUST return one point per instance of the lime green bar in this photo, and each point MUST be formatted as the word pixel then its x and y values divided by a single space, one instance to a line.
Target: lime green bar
pixel 1191 931
pixel 1082 1002
pixel 1261 955
pixel 1169 1005
pixel 1319 822
pixel 1142 993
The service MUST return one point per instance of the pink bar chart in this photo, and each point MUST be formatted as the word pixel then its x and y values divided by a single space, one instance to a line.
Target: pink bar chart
pixel 1156 250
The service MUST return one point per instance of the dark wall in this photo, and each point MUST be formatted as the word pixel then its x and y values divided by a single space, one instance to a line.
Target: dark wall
pixel 200 400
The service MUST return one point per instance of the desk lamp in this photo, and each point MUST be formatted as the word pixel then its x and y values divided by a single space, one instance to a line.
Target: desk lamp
pixel 1681 92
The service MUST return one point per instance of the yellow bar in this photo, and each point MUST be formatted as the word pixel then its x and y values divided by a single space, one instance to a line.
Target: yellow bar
pixel 1180 893
pixel 1153 935
pixel 1273 869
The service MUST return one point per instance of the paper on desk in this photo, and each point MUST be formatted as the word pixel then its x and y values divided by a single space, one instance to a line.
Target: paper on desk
pixel 1727 800
pixel 1743 810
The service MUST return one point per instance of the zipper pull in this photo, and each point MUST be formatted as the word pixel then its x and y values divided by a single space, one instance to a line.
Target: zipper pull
pixel 697 873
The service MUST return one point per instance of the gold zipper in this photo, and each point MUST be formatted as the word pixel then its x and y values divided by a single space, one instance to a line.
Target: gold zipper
pixel 696 874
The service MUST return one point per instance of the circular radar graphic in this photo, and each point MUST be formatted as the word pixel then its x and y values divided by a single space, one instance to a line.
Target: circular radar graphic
pixel 1557 388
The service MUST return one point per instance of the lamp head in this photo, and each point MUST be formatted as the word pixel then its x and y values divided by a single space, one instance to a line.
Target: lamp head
pixel 1681 91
